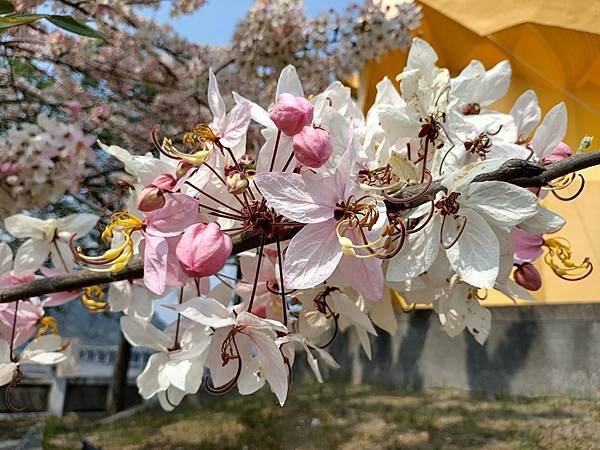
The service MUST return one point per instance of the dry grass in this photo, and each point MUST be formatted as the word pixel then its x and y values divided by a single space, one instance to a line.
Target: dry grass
pixel 339 416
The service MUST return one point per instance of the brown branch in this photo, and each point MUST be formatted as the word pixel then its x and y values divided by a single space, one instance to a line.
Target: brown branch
pixel 518 172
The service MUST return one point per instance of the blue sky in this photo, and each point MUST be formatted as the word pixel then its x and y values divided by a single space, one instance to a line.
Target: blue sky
pixel 214 23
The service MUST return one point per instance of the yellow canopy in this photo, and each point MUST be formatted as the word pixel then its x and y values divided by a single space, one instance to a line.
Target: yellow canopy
pixel 554 49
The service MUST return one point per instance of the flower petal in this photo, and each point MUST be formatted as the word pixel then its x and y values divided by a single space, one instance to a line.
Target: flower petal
pixel 476 254
pixel 312 255
pixel 303 198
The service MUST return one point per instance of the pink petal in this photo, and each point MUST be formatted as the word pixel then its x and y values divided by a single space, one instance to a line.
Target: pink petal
pixel 179 212
pixel 303 198
pixel 364 275
pixel 528 247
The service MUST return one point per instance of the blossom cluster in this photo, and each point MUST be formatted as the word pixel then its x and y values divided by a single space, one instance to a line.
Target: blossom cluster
pixel 40 162
pixel 342 209
pixel 336 43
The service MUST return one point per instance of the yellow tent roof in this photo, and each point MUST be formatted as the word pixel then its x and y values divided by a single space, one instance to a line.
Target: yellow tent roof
pixel 554 49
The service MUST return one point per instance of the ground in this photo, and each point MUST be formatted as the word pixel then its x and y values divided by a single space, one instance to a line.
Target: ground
pixel 339 416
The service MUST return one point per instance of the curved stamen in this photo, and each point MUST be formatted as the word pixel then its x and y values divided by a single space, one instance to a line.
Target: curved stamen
pixel 458 235
pixel 412 198
pixel 427 220
pixel 559 260
pixel 573 196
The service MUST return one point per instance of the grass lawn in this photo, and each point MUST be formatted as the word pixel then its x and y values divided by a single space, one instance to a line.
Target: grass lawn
pixel 334 415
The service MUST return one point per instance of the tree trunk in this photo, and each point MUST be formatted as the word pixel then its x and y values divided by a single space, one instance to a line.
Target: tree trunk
pixel 115 399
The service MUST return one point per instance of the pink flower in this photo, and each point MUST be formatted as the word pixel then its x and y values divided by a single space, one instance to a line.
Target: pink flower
pixel 528 277
pixel 312 147
pixel 203 250
pixel 561 152
pixel 291 114
pixel 163 230
pixel 315 252
pixel 528 247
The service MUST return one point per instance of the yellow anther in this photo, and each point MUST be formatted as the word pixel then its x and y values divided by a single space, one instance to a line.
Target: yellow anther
pixel 47 325
pixel 93 297
pixel 559 260
pixel 198 139
pixel 114 259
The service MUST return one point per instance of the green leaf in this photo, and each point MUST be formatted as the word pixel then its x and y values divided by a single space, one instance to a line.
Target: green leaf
pixel 14 20
pixel 6 7
pixel 70 24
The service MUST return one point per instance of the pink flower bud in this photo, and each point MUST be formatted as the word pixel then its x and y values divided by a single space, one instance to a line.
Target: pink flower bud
pixel 164 181
pixel 561 152
pixel 150 199
pixel 291 113
pixel 528 277
pixel 312 147
pixel 203 250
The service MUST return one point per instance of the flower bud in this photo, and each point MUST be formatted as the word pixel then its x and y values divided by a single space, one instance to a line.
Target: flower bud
pixel 312 147
pixel 561 152
pixel 164 181
pixel 528 277
pixel 237 182
pixel 203 250
pixel 247 162
pixel 290 114
pixel 150 199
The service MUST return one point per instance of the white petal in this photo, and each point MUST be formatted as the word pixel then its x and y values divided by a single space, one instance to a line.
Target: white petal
pixel 148 381
pixel 6 258
pixel 551 131
pixel 215 101
pixel 476 254
pixel 79 224
pixel 502 203
pixel 495 83
pixel 527 114
pixel 31 255
pixel 258 113
pixel 21 226
pixel 382 313
pixel 206 311
pixel 365 342
pixel 289 83
pixel 140 333
pixel 312 255
pixel 417 255
pixel 271 364
pixel 351 312
pixel 7 371
pixel 478 320
pixel 4 351
pixel 544 222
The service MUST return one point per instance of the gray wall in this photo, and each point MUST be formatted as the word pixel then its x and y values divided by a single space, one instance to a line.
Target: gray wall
pixel 532 351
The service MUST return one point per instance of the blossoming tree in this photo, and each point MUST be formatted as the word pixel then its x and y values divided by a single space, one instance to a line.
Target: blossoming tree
pixel 432 194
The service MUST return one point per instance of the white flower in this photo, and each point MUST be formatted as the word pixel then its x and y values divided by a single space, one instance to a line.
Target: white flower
pixel 292 341
pixel 467 229
pixel 44 237
pixel 44 350
pixel 242 348
pixel 171 372
pixel 326 310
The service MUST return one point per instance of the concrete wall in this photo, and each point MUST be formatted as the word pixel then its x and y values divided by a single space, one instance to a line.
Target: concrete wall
pixel 532 351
